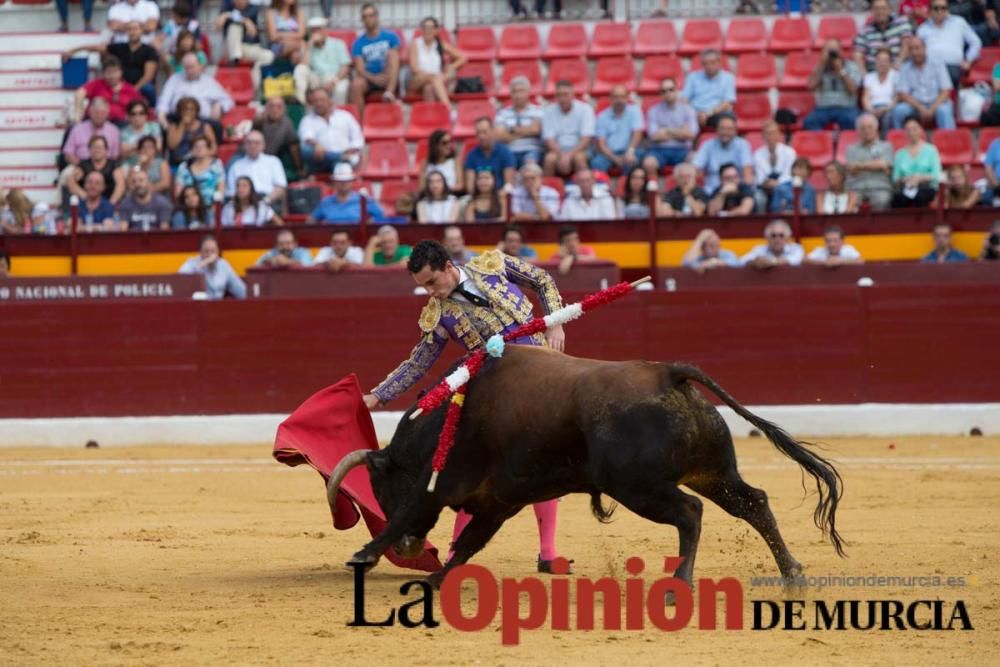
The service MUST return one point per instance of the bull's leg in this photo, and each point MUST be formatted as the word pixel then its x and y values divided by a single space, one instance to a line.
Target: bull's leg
pixel 664 502
pixel 472 539
pixel 403 525
pixel 745 502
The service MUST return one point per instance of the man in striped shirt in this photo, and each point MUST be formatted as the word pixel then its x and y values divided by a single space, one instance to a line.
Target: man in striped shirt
pixel 883 31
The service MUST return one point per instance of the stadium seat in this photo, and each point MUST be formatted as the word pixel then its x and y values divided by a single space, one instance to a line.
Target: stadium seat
pixel 225 152
pixel 801 103
pixel 986 137
pixel 305 195
pixel 571 69
pixel 698 35
pixel 390 193
pixel 527 68
pixel 477 42
pixel 896 139
pixel 468 112
pixel 982 68
pixel 954 146
pixel 386 159
pixel 611 39
pixel 232 118
pixel 520 42
pixel 238 82
pixel 756 71
pixel 556 184
pixel 347 36
pixel 655 38
pixel 383 121
pixel 566 40
pixel 657 68
pixel 404 51
pixel 844 139
pixel 745 36
pixel 798 67
pixel 611 72
pixel 841 28
pixel 755 139
pixel 752 111
pixel 790 34
pixel 817 146
pixel 351 109
pixel 425 117
pixel 482 69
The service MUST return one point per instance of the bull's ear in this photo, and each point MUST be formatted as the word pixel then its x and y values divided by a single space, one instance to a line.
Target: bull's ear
pixel 378 461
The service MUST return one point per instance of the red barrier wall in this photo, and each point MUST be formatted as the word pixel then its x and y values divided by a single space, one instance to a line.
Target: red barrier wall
pixel 773 345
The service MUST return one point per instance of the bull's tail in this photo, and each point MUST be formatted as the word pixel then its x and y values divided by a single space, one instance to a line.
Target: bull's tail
pixel 829 485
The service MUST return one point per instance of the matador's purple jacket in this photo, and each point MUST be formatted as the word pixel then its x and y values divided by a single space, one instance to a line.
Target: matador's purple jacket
pixel 497 276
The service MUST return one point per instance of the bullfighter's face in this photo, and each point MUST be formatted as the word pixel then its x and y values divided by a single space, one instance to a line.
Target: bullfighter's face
pixel 438 283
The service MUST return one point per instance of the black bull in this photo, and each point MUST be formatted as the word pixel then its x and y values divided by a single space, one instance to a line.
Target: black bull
pixel 538 425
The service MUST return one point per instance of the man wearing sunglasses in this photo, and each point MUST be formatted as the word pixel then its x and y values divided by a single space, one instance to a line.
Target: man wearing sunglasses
pixel 778 249
pixel 671 126
pixel 950 40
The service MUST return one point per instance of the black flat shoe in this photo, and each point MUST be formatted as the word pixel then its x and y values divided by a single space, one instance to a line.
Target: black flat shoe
pixel 545 566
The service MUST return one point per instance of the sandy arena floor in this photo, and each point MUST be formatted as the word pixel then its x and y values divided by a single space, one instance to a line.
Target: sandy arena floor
pixel 194 555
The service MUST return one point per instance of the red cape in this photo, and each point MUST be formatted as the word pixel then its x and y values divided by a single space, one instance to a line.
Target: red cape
pixel 328 425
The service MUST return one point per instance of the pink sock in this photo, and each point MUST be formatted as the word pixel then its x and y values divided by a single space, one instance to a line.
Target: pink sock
pixel 546 515
pixel 461 521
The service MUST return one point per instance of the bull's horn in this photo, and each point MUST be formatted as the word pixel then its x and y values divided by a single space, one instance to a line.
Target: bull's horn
pixel 348 463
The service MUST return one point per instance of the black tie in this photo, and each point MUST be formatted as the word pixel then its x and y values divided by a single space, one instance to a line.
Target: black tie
pixel 474 299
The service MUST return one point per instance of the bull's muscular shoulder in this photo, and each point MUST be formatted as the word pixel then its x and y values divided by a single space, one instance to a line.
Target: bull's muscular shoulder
pixel 430 315
pixel 490 262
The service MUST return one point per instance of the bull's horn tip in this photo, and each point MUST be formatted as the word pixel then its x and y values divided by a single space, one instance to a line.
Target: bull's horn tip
pixel 416 413
pixel 640 281
pixel 433 483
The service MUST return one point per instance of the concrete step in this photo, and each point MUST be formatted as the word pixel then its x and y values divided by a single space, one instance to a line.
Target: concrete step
pixel 45 97
pixel 31 117
pixel 29 157
pixel 35 138
pixel 28 177
pixel 30 79
pixel 41 58
pixel 13 42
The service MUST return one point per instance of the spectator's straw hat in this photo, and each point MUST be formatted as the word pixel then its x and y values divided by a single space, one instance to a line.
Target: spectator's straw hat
pixel 343 172
pixel 316 22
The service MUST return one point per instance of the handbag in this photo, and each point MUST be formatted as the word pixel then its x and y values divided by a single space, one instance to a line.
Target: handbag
pixel 469 84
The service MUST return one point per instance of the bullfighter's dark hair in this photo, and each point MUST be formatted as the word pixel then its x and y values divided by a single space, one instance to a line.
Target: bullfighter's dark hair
pixel 427 253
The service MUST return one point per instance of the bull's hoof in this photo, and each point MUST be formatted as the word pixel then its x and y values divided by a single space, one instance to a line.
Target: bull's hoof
pixel 435 579
pixel 670 599
pixel 368 560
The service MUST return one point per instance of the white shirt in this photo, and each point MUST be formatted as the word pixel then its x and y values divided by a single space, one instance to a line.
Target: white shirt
pixel 338 133
pixel 447 169
pixel 600 207
pixel 467 284
pixel 881 93
pixel 833 202
pixel 439 210
pixel 792 253
pixel 142 11
pixel 762 168
pixel 205 89
pixel 847 251
pixel 946 42
pixel 354 255
pixel 428 58
pixel 266 173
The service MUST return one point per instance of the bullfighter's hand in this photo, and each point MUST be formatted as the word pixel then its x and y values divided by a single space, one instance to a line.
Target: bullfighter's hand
pixel 556 338
pixel 371 401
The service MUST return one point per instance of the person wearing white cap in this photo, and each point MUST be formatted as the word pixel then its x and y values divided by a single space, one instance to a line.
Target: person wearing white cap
pixel 328 135
pixel 325 62
pixel 344 205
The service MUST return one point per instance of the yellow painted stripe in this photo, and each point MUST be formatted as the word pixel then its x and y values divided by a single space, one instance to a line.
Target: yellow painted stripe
pixel 628 254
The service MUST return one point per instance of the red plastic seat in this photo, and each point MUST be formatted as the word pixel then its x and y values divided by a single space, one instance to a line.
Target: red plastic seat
pixel 752 111
pixel 987 135
pixel 816 146
pixel 844 139
pixel 526 68
pixel 982 69
pixel 566 40
pixel 840 28
pixel 745 36
pixel 347 36
pixel 520 42
pixel 556 184
pixel 425 117
pixel 954 146
pixel 225 152
pixel 477 42
pixel 386 159
pixel 655 38
pixel 896 138
pixel 755 139
pixel 611 72
pixel 574 70
pixel 390 193
pixel 611 39
pixel 351 109
pixel 238 82
pixel 234 117
pixel 658 68
pixel 468 112
pixel 800 102
pixel 482 69
pixel 756 71
pixel 383 121
pixel 790 34
pixel 698 35
pixel 798 67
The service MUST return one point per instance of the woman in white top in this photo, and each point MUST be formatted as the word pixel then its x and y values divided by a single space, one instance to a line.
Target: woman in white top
pixel 247 209
pixel 836 198
pixel 429 74
pixel 442 157
pixel 879 88
pixel 437 205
